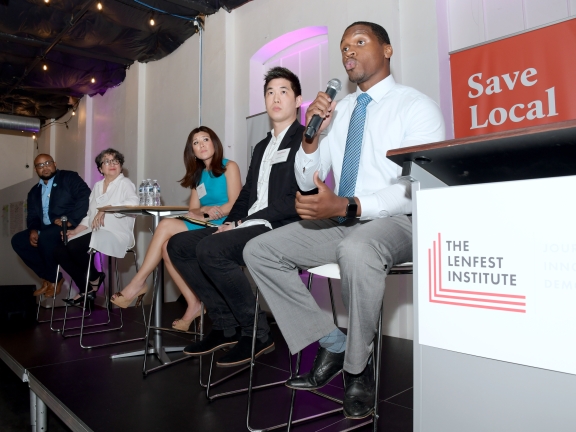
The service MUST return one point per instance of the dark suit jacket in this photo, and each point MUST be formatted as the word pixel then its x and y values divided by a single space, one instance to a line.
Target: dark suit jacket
pixel 282 185
pixel 69 197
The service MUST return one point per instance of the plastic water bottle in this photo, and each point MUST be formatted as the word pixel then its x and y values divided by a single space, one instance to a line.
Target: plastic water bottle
pixel 142 193
pixel 149 196
pixel 156 193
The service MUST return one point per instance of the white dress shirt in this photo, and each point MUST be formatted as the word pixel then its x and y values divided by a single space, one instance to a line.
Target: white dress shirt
pixel 117 234
pixel 264 180
pixel 398 116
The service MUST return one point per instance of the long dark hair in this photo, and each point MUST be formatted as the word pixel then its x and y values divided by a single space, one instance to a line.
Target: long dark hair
pixel 194 166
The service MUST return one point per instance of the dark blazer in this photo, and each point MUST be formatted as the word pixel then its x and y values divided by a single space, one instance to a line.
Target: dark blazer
pixel 282 184
pixel 69 197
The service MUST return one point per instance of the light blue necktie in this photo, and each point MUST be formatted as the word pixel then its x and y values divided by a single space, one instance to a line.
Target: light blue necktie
pixel 353 149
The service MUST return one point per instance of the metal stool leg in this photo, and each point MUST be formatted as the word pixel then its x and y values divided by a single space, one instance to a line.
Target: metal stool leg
pixel 334 315
pixel 107 292
pixel 52 320
pixel 378 363
pixel 299 356
pixel 84 315
pixel 108 307
pixel 248 389
pixel 53 302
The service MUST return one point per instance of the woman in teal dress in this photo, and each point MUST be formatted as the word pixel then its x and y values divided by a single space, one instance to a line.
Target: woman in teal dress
pixel 215 184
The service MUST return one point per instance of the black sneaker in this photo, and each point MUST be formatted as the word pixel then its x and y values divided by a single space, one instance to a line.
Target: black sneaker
pixel 241 353
pixel 213 341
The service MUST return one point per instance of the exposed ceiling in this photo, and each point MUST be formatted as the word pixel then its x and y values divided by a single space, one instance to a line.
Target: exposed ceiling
pixel 52 53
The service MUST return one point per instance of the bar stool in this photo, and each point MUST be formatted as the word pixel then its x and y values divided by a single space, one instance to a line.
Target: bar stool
pixel 52 319
pixel 91 252
pixel 330 271
pixel 211 384
pixel 293 373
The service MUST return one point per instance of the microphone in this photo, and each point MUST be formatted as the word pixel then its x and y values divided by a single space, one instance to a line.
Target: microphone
pixel 334 86
pixel 64 221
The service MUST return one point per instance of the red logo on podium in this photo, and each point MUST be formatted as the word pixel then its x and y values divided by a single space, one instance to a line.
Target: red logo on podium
pixel 475 299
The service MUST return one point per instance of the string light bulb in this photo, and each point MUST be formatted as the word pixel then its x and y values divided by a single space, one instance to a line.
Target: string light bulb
pixel 152 22
pixel 93 80
pixel 73 112
pixel 34 136
pixel 45 67
pixel 46 1
pixel 99 6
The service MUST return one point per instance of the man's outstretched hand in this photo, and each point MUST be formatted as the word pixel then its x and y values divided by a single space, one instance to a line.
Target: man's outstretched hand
pixel 324 205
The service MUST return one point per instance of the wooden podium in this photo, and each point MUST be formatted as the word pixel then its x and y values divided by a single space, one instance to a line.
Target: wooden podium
pixel 455 391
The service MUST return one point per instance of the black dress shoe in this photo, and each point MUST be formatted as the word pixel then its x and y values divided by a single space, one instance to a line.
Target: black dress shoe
pixel 326 366
pixel 241 353
pixel 213 341
pixel 359 391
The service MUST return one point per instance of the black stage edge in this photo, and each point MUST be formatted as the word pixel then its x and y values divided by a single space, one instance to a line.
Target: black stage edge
pixel 89 391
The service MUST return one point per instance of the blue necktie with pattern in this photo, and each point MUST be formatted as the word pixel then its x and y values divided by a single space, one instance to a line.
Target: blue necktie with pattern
pixel 353 149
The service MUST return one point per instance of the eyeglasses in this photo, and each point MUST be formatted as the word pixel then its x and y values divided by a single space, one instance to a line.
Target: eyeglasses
pixel 110 162
pixel 44 164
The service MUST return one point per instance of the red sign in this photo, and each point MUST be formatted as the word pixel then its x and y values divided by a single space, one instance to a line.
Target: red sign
pixel 520 81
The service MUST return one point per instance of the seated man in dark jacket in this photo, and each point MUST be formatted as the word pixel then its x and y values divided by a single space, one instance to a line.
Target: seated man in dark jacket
pixel 211 263
pixel 58 193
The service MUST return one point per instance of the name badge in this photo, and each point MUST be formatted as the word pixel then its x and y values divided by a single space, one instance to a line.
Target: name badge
pixel 280 156
pixel 201 190
pixel 101 199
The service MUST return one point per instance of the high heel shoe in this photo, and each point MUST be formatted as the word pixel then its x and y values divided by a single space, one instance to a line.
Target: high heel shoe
pixel 80 300
pixel 90 295
pixel 96 286
pixel 123 302
pixel 182 324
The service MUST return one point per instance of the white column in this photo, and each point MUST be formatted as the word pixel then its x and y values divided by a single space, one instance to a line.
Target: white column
pixel 89 126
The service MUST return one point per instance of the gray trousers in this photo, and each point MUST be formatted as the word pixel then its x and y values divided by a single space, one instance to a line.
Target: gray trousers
pixel 364 250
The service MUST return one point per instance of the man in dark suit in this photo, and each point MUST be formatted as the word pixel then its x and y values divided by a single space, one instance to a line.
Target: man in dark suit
pixel 58 193
pixel 211 263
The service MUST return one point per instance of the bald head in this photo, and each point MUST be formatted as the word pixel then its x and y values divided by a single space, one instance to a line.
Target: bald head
pixel 45 167
pixel 42 157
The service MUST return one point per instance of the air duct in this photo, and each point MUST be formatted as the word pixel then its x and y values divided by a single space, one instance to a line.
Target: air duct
pixel 26 124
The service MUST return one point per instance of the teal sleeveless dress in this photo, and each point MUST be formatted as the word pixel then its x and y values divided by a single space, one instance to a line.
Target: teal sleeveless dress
pixel 216 194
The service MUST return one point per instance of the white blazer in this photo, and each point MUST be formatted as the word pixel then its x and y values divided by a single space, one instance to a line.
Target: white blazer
pixel 117 234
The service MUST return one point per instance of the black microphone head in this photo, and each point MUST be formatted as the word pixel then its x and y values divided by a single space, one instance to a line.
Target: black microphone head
pixel 64 219
pixel 334 86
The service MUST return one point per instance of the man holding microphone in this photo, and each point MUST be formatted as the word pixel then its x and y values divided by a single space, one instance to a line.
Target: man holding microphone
pixel 364 225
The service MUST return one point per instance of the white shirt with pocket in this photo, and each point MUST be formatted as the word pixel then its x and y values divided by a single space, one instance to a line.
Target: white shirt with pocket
pixel 117 233
pixel 271 156
pixel 398 116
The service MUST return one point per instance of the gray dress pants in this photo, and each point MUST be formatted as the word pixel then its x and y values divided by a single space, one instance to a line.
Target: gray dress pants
pixel 365 252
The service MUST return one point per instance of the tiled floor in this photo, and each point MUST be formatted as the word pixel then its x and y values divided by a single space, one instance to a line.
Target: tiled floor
pixel 112 395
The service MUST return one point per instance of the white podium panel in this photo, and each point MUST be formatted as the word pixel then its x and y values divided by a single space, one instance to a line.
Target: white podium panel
pixel 497 271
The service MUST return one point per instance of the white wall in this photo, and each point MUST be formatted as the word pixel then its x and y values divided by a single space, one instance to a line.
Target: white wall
pixel 252 32
pixel 12 270
pixel 462 24
pixel 149 116
pixel 476 21
pixel 16 157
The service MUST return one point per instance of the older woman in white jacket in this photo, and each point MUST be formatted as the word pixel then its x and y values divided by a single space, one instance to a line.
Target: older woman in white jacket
pixel 111 234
